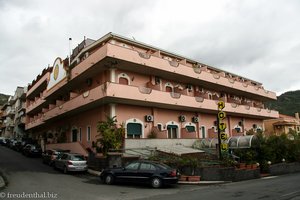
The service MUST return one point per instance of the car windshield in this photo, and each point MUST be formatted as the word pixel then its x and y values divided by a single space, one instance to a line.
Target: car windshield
pixel 77 158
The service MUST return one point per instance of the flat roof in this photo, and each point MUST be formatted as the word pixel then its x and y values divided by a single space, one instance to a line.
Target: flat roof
pixel 111 35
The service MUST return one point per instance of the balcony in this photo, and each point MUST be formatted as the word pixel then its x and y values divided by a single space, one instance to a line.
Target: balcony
pixel 132 94
pixel 34 123
pixel 118 93
pixel 36 105
pixel 216 80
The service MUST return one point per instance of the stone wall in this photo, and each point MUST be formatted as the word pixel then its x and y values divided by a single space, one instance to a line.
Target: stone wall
pixel 284 168
pixel 223 174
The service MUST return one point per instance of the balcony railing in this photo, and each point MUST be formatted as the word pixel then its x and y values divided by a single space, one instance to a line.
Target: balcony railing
pixel 132 94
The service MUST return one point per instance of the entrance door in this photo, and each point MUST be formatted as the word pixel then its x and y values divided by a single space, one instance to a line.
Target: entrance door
pixel 172 131
pixel 74 135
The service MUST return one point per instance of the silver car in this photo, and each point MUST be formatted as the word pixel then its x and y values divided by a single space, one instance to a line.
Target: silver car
pixel 70 162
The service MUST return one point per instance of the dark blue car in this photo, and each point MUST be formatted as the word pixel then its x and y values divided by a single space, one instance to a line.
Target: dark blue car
pixel 153 173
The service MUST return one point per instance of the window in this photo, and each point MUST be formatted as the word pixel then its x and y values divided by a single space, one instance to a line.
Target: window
pixel 88 133
pixel 134 130
pixel 132 166
pixel 80 134
pixel 203 131
pixel 190 128
pixel 74 135
pixel 238 129
pixel 160 127
pixel 147 166
pixel 123 79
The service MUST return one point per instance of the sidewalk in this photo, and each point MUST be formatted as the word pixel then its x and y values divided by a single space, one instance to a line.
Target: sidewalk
pixel 97 173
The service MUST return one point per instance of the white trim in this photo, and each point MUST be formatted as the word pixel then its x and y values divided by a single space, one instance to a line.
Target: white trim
pixel 205 132
pixel 174 123
pixel 113 75
pixel 112 112
pixel 215 128
pixel 209 95
pixel 136 121
pixel 80 134
pixel 123 75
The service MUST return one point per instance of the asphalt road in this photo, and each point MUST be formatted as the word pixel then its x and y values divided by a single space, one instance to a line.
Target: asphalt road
pixel 28 176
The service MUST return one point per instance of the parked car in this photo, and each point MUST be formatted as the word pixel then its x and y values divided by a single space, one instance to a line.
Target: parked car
pixel 12 143
pixel 70 162
pixel 32 150
pixel 153 173
pixel 17 146
pixel 2 141
pixel 50 155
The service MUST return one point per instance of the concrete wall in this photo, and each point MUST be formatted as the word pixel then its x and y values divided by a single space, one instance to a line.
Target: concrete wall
pixel 143 143
pixel 284 168
pixel 223 174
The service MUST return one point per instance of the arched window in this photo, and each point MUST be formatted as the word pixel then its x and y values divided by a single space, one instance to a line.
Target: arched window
pixel 134 128
pixel 123 79
pixel 173 129
pixel 238 129
pixel 190 127
pixel 169 87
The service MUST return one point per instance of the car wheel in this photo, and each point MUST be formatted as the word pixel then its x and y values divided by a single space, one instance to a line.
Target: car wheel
pixel 156 182
pixel 109 179
pixel 65 170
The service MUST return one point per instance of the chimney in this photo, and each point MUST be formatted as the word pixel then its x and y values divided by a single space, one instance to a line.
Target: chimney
pixel 297 116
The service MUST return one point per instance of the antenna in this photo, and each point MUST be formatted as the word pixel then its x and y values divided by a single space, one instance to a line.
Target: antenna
pixel 70 41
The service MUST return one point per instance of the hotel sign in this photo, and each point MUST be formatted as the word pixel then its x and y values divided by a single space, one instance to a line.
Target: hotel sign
pixel 222 136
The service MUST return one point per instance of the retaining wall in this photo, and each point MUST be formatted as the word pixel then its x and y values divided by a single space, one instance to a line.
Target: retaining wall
pixel 284 168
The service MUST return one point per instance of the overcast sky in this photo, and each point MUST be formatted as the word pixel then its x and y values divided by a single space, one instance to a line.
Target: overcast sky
pixel 258 39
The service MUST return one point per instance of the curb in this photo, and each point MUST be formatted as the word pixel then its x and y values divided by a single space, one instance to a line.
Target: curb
pixel 202 182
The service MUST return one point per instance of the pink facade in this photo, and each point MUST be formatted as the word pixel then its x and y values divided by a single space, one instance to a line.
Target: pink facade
pixel 147 89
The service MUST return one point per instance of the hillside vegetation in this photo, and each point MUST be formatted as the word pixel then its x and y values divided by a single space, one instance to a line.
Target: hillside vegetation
pixel 288 103
pixel 3 99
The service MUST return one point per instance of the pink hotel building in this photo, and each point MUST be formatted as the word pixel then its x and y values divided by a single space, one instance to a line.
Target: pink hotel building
pixel 148 89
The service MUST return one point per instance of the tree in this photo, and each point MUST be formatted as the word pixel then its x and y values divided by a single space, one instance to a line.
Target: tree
pixel 111 137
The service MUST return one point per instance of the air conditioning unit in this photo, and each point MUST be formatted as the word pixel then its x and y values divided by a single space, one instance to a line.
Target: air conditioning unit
pixel 195 119
pixel 182 118
pixel 149 118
